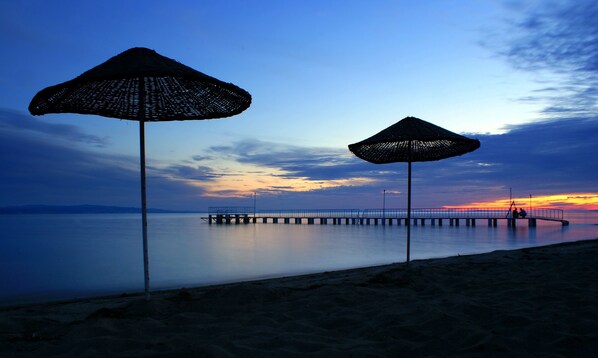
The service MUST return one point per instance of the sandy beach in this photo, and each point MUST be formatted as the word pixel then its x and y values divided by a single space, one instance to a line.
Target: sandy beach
pixel 528 302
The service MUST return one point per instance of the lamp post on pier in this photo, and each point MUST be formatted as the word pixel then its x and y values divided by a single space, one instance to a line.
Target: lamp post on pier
pixel 254 202
pixel 384 207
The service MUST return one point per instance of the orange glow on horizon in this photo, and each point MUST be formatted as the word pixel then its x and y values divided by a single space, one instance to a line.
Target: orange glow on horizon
pixel 569 201
pixel 244 186
pixel 231 179
pixel 241 180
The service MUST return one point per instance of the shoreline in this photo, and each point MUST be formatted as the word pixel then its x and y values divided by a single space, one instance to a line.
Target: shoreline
pixel 539 300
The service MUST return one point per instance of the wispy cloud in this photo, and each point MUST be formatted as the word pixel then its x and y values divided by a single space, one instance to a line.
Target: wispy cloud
pixel 189 172
pixel 40 165
pixel 20 123
pixel 293 161
pixel 558 38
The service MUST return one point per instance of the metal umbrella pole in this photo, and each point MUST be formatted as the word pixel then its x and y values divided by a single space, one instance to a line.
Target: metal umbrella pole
pixel 144 208
pixel 409 203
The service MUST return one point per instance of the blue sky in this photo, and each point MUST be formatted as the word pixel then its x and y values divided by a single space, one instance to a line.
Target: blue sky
pixel 518 75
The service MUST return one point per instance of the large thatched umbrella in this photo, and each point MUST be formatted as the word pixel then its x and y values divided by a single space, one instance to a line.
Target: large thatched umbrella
pixel 412 140
pixel 141 85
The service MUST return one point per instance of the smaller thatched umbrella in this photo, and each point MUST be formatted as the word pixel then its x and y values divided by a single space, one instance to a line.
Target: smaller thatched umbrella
pixel 142 85
pixel 412 140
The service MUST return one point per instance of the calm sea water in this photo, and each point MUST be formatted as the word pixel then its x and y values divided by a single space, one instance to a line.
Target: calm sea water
pixel 48 257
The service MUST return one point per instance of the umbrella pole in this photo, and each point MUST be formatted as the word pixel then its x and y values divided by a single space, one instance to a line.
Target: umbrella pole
pixel 144 207
pixel 408 209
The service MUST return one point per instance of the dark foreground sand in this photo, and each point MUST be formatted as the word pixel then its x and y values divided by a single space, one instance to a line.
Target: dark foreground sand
pixel 530 302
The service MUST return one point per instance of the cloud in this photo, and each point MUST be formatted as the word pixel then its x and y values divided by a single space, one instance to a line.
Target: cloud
pixel 561 38
pixel 22 124
pixel 188 172
pixel 41 166
pixel 41 172
pixel 312 163
pixel 551 155
pixel 199 158
pixel 539 158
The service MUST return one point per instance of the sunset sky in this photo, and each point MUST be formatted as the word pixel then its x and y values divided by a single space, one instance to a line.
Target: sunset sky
pixel 520 76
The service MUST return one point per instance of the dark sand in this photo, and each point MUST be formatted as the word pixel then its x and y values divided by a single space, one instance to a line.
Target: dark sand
pixel 530 302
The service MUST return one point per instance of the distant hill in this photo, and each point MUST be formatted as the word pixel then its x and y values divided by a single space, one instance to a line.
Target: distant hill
pixel 78 209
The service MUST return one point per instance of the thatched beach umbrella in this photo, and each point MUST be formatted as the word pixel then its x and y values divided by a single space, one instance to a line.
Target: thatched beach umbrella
pixel 412 140
pixel 141 85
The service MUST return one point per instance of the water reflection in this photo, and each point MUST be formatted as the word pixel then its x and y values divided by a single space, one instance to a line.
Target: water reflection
pixel 69 255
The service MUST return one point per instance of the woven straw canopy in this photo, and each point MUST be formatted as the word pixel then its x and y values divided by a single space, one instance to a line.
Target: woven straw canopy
pixel 413 140
pixel 140 84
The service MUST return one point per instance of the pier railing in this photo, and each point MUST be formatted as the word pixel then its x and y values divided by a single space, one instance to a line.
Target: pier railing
pixel 223 210
pixel 461 213
pixel 246 214
pixel 548 214
pixel 389 213
pixel 312 213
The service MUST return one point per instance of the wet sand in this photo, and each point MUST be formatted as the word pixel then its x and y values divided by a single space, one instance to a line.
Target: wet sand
pixel 528 302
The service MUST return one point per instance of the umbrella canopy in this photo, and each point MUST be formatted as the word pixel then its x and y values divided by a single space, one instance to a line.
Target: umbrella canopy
pixel 412 140
pixel 427 141
pixel 142 85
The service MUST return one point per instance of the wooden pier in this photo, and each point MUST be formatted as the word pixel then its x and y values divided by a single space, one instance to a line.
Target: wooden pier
pixel 419 217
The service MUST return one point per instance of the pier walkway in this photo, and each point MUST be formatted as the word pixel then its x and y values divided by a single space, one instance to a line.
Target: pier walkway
pixel 431 216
